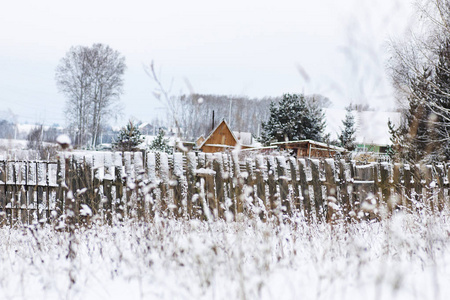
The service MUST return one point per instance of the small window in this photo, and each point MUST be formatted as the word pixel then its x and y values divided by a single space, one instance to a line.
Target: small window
pixel 383 149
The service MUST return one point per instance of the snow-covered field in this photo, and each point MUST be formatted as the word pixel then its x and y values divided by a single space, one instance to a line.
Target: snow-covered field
pixel 403 257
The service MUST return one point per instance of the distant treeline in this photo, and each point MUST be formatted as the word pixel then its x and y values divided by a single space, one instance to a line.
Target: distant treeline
pixel 194 113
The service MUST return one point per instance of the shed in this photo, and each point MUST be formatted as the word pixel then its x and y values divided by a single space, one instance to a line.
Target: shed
pixel 310 148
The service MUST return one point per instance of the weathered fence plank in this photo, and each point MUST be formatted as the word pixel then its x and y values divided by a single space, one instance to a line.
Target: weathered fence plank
pixel 332 201
pixel 283 185
pixel 260 173
pixel 219 180
pixel 305 188
pixel 272 184
pixel 293 166
pixel 192 189
pixel 343 190
pixel 317 187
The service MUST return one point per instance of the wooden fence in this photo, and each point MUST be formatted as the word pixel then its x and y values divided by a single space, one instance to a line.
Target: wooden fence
pixel 81 188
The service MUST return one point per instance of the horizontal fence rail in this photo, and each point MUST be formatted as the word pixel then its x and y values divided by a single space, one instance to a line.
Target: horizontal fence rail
pixel 82 188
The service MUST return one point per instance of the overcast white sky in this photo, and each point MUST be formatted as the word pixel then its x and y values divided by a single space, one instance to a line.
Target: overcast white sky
pixel 254 47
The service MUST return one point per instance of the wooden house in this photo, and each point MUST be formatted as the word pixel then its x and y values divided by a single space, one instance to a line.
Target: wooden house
pixel 220 139
pixel 309 148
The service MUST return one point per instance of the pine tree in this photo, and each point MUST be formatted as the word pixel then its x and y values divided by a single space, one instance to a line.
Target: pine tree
pixel 161 144
pixel 129 138
pixel 421 132
pixel 347 136
pixel 293 119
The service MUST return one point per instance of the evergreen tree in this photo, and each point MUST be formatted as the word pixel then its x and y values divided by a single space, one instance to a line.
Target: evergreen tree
pixel 293 119
pixel 420 71
pixel 161 144
pixel 422 131
pixel 347 136
pixel 129 138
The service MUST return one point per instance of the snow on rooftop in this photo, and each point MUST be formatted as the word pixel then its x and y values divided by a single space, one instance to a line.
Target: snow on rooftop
pixel 13 144
pixel 63 139
pixel 244 138
pixel 371 126
pixel 27 128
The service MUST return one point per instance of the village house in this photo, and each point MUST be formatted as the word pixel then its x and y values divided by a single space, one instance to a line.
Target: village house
pixel 222 139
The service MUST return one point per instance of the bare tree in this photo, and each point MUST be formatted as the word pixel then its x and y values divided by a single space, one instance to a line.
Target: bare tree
pixel 420 70
pixel 163 94
pixel 92 79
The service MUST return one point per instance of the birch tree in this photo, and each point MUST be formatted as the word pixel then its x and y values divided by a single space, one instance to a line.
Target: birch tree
pixel 91 78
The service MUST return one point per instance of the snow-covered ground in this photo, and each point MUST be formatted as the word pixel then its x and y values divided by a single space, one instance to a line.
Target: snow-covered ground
pixel 404 257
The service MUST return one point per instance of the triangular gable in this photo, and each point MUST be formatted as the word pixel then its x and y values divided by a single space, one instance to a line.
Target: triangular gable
pixel 221 135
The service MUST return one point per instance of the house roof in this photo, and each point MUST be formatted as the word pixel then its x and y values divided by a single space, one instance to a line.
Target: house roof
pixel 205 142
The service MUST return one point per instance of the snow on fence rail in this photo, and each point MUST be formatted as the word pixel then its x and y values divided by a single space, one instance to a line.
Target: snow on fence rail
pixel 78 188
